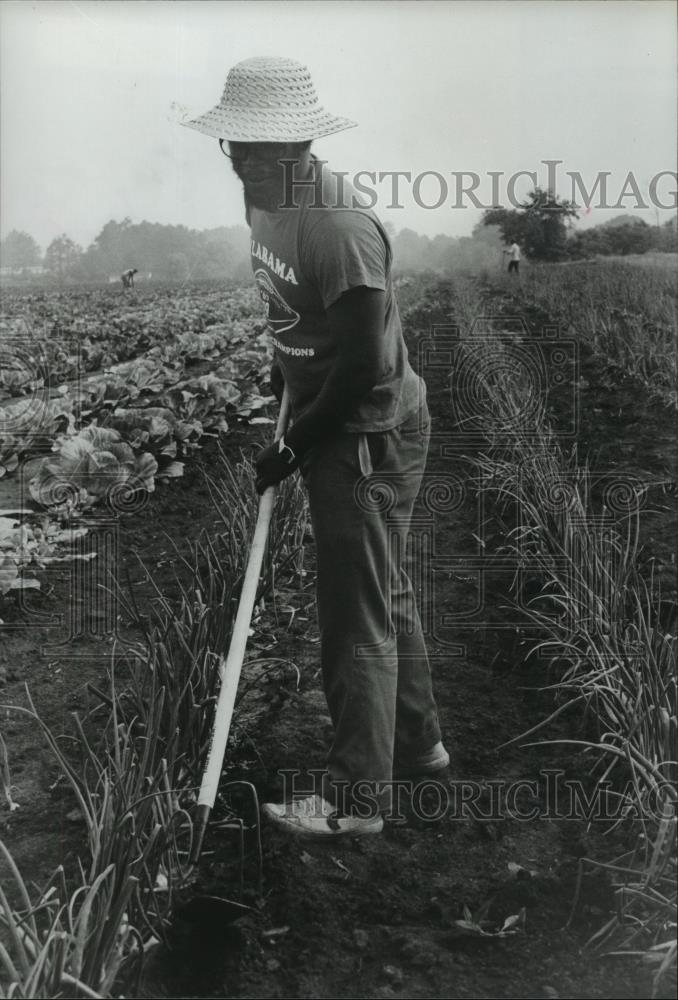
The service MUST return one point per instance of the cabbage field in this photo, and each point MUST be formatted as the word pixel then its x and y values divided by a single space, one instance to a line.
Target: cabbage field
pixel 545 537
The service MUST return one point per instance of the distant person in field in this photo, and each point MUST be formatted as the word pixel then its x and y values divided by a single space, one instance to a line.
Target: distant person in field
pixel 514 257
pixel 128 277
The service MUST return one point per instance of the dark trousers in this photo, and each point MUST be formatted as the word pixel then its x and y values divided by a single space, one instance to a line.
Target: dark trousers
pixel 377 680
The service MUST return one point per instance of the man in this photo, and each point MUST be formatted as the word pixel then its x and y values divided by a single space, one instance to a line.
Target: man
pixel 128 277
pixel 359 436
pixel 514 258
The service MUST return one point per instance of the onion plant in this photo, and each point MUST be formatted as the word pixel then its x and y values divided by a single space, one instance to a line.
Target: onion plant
pixel 626 312
pixel 597 616
pixel 135 775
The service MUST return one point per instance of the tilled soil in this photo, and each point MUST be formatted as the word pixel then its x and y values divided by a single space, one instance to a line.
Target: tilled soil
pixel 372 917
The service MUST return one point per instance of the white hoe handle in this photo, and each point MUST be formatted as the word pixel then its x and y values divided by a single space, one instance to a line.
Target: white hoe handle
pixel 230 666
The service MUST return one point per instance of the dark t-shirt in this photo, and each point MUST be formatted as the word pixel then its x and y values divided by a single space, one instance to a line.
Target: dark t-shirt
pixel 304 258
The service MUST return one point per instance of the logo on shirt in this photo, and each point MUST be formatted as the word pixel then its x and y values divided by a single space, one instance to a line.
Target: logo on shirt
pixel 281 317
pixel 293 352
pixel 279 267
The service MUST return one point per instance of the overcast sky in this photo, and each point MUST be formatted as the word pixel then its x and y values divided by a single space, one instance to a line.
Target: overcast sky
pixel 88 130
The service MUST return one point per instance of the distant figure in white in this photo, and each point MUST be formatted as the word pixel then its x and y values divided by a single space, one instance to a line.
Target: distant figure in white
pixel 514 257
pixel 127 277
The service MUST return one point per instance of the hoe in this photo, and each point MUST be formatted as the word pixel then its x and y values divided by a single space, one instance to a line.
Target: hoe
pixel 229 674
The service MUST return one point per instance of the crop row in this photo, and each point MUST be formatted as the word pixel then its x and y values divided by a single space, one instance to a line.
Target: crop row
pixel 107 436
pixel 88 330
pixel 625 312
pixel 600 625
pixel 134 770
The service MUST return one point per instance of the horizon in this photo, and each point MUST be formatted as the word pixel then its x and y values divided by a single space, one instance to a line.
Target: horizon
pixel 245 230
pixel 453 90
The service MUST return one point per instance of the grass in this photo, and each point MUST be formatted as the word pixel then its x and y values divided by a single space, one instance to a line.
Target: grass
pixel 626 313
pixel 598 619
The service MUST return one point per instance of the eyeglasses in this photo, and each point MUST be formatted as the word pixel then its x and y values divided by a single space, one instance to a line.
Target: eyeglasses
pixel 262 151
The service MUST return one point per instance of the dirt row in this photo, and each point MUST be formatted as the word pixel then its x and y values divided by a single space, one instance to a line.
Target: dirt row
pixel 374 918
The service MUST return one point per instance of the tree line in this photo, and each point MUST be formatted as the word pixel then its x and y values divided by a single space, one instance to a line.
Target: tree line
pixel 542 226
pixel 175 253
pixel 159 252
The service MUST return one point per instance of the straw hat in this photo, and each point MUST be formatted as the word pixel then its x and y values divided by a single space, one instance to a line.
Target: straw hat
pixel 269 100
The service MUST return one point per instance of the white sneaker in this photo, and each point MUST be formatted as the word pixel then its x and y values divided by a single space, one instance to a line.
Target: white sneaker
pixel 314 816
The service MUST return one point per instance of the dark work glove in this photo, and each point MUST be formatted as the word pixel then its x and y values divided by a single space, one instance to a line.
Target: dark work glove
pixel 277 382
pixel 274 465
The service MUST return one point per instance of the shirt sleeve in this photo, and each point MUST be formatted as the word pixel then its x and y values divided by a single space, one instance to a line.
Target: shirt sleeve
pixel 344 250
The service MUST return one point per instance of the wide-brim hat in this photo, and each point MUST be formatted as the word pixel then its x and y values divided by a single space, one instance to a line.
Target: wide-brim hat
pixel 269 100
